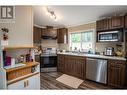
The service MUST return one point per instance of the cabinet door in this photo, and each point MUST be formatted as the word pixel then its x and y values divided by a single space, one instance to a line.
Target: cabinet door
pixel 116 22
pixel 69 65
pixel 60 63
pixel 37 35
pixel 79 67
pixel 62 35
pixel 102 24
pixel 125 21
pixel 33 82
pixel 116 73
pixel 99 25
pixel 28 83
pixel 75 66
pixel 20 85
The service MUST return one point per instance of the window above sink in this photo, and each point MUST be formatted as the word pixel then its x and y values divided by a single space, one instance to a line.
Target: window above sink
pixel 82 41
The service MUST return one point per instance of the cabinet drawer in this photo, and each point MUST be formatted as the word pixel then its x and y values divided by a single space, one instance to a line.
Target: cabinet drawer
pixel 115 63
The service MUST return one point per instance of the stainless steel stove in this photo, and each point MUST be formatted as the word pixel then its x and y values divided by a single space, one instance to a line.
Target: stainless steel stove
pixel 48 60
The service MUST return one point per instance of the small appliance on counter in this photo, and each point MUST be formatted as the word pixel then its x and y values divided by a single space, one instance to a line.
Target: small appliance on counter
pixel 109 51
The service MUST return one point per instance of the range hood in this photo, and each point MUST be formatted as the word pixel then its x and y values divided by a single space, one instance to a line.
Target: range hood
pixel 48 37
pixel 49 33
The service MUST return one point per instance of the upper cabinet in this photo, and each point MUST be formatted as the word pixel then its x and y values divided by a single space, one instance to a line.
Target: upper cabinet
pixel 115 22
pixel 62 35
pixel 102 24
pixel 126 21
pixel 36 34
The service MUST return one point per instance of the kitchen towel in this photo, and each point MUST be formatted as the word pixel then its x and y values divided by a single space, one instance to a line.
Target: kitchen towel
pixel 70 80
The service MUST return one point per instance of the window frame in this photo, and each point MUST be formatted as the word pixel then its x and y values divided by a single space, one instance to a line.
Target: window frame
pixel 82 31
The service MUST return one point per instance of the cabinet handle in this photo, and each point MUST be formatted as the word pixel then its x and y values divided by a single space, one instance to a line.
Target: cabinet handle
pixel 25 84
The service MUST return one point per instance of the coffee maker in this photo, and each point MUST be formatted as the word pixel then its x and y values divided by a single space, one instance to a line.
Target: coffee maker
pixel 109 51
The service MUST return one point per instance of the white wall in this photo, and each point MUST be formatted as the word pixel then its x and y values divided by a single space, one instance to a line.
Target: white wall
pixel 21 32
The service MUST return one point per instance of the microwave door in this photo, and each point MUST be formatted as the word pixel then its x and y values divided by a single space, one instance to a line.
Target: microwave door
pixel 105 37
pixel 108 36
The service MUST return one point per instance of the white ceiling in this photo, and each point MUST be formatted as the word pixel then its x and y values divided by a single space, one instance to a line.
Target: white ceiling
pixel 74 15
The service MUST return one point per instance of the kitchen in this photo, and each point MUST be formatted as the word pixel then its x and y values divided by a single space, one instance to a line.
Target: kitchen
pixel 70 53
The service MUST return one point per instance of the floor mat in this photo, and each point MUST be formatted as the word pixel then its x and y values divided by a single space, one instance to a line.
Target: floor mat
pixel 70 80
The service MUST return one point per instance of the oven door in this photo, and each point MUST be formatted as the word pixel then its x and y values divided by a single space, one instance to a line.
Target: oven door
pixel 114 36
pixel 48 61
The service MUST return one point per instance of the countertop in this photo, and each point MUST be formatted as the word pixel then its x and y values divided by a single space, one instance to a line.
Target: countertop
pixel 93 56
pixel 28 64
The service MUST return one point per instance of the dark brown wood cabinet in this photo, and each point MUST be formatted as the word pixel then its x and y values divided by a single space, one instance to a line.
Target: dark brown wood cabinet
pixel 62 35
pixel 71 65
pixel 75 66
pixel 116 73
pixel 116 22
pixel 126 21
pixel 102 24
pixel 60 63
pixel 44 32
pixel 36 34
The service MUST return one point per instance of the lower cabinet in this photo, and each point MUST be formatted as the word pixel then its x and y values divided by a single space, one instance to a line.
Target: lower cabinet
pixel 60 63
pixel 116 73
pixel 32 82
pixel 75 66
pixel 72 65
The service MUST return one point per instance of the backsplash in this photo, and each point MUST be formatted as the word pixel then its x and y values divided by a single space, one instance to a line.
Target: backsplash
pixel 64 47
pixel 100 47
pixel 49 43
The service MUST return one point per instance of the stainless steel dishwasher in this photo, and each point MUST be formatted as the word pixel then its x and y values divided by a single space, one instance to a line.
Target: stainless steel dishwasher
pixel 96 70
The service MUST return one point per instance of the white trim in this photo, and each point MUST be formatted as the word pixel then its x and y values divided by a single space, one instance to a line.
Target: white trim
pixel 81 31
pixel 79 24
pixel 39 26
pixel 42 26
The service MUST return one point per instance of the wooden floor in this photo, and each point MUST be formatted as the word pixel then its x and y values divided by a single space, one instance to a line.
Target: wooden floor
pixel 48 81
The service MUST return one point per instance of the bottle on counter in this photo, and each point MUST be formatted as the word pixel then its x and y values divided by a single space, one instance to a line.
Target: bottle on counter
pixel 28 58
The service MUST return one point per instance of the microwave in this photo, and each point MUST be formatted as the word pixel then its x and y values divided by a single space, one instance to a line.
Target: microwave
pixel 110 36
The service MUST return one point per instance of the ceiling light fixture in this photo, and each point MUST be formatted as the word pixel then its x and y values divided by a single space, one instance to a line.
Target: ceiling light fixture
pixel 51 14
